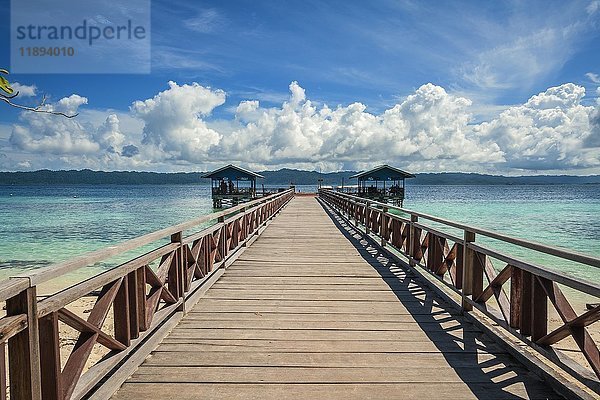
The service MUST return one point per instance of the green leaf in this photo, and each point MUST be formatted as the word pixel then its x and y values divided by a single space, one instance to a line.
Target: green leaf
pixel 4 84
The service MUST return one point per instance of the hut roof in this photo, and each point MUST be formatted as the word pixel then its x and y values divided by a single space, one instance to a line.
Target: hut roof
pixel 232 172
pixel 383 173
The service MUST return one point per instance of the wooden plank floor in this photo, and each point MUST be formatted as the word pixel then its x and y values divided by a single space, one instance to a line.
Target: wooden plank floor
pixel 308 312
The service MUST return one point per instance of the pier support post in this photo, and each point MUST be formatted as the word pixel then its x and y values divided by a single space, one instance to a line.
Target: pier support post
pixel 468 265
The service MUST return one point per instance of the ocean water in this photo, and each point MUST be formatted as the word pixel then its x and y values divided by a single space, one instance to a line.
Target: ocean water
pixel 45 224
pixel 566 216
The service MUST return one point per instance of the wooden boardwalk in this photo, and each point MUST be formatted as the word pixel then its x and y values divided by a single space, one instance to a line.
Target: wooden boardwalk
pixel 308 312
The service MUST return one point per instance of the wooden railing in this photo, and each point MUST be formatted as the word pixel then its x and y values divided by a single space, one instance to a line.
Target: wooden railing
pixel 141 298
pixel 465 266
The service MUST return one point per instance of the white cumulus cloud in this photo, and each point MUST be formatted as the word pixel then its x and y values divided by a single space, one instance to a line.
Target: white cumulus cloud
pixel 44 133
pixel 109 136
pixel 429 125
pixel 549 131
pixel 81 142
pixel 173 121
pixel 24 90
pixel 429 130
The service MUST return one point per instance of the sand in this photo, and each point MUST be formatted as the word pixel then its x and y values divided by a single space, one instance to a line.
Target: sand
pixel 68 335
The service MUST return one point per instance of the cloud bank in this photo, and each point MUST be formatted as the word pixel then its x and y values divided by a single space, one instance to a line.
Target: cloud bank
pixel 429 130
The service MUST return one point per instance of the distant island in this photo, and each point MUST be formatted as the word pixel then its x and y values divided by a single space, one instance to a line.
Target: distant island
pixel 283 176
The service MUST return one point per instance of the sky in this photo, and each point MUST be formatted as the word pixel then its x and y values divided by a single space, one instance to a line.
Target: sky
pixel 503 87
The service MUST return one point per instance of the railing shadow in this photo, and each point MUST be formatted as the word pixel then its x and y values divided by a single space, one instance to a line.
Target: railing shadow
pixel 486 379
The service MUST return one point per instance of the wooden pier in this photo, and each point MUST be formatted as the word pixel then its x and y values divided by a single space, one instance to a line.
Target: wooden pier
pixel 300 297
pixel 307 313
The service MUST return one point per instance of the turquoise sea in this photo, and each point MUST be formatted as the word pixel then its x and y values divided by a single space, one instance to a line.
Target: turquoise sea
pixel 45 224
pixel 566 216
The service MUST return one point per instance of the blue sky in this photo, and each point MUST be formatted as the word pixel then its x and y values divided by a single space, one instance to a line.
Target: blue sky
pixel 497 55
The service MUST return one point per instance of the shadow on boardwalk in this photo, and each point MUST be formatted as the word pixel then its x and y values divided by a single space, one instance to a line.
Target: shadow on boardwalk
pixel 492 376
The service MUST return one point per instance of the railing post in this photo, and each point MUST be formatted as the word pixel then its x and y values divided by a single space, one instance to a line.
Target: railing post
pixel 3 371
pixel 134 298
pixel 516 293
pixel 539 310
pixel 223 239
pixel 256 221
pixel 383 227
pixel 140 292
pixel 121 313
pixel 176 273
pixel 468 261
pixel 431 251
pixel 348 209
pixel 51 380
pixel 526 303
pixel 245 226
pixel 367 218
pixel 23 348
pixel 412 240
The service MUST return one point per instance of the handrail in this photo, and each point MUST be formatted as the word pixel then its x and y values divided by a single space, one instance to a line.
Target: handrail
pixel 11 287
pixel 142 299
pixel 467 268
pixel 582 285
pixel 540 247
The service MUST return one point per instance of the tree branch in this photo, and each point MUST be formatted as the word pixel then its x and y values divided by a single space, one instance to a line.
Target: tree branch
pixel 37 109
pixel 9 97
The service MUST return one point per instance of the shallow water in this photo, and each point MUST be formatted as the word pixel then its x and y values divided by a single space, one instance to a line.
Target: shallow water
pixel 567 216
pixel 45 224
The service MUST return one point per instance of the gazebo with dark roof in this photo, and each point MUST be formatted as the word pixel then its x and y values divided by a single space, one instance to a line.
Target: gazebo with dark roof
pixel 383 183
pixel 232 184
